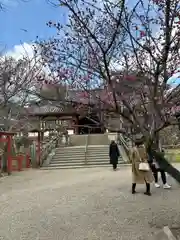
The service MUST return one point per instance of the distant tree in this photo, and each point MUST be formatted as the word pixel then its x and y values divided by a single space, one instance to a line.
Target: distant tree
pixel 16 79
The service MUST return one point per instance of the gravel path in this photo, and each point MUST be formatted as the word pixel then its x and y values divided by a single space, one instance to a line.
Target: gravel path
pixel 86 204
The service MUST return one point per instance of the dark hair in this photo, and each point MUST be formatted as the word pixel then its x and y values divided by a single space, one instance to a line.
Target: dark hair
pixel 112 142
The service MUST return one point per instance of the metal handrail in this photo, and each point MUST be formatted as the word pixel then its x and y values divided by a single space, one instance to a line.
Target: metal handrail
pixel 47 149
pixel 86 147
pixel 123 142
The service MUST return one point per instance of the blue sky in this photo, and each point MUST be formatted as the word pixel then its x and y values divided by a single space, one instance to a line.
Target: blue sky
pixel 31 15
pixel 174 80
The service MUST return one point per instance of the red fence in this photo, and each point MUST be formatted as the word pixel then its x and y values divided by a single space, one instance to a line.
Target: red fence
pixel 13 163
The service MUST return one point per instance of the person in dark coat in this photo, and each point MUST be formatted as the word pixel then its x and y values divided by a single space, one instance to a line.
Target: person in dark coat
pixel 156 169
pixel 114 154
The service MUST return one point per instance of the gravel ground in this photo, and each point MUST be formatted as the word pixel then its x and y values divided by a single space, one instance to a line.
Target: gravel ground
pixel 85 204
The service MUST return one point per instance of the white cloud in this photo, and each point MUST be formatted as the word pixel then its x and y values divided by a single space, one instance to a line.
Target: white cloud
pixel 25 50
pixel 20 51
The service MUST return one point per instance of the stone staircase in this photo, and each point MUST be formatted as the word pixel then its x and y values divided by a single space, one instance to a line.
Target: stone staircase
pixel 75 157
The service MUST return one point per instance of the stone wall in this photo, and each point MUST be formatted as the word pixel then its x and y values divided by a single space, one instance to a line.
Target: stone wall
pixel 91 139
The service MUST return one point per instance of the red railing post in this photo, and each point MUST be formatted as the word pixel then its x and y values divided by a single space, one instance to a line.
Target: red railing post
pixel 39 149
pixel 27 160
pixel 19 161
pixel 9 157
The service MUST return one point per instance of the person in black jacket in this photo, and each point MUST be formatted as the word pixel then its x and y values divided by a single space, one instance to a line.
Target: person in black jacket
pixel 114 154
pixel 155 169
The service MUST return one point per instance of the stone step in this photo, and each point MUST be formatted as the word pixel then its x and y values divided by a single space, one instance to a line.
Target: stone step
pixel 74 157
pixel 76 163
pixel 98 149
pixel 79 166
pixel 81 150
pixel 98 146
pixel 81 147
pixel 69 150
pixel 100 158
pixel 74 167
pixel 82 154
pixel 69 154
pixel 81 159
pixel 55 158
pixel 99 154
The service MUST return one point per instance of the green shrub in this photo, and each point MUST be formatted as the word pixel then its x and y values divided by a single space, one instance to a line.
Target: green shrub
pixel 173 155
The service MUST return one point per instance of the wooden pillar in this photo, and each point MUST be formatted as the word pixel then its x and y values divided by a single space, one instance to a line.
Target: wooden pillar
pixel 59 127
pixel 76 122
pixel 9 157
pixel 42 136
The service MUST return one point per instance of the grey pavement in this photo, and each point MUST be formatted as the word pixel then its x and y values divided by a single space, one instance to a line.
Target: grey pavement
pixel 84 204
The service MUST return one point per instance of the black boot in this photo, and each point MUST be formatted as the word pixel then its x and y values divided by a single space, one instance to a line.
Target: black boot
pixel 133 188
pixel 148 193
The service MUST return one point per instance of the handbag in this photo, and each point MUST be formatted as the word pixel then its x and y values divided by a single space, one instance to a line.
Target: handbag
pixel 143 166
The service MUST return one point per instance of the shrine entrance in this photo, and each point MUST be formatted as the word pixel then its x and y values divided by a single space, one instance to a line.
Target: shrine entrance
pixel 90 125
pixel 55 123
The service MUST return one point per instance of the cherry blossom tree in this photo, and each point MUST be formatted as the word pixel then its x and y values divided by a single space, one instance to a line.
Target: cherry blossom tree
pixel 119 57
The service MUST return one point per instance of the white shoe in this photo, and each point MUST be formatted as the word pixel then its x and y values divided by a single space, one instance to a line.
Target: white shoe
pixel 166 186
pixel 157 185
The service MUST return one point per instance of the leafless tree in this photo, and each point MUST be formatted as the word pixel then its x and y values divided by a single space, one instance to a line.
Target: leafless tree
pixel 16 78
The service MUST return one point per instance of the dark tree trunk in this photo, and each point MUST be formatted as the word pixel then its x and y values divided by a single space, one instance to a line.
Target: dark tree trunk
pixel 154 152
pixel 156 141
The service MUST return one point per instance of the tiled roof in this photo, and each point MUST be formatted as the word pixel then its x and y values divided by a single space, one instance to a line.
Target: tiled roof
pixel 80 96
